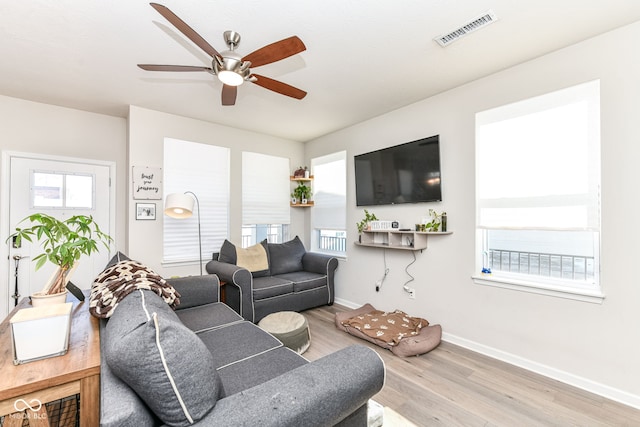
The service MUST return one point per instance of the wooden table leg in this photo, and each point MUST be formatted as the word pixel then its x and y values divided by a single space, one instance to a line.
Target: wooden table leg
pixel 90 401
pixel 14 420
pixel 38 418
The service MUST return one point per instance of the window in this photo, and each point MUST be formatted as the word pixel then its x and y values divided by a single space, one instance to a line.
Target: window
pixel 203 170
pixel 328 217
pixel 538 182
pixel 62 190
pixel 265 198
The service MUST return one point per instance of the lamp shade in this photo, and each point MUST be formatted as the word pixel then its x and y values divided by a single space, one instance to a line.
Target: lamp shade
pixel 179 205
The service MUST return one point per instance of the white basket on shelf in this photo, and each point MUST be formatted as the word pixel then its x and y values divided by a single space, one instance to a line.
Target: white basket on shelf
pixel 380 225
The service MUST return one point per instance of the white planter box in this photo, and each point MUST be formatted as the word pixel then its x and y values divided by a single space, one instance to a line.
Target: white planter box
pixel 40 332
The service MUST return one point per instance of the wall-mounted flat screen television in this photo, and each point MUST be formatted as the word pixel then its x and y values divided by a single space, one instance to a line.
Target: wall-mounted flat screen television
pixel 405 173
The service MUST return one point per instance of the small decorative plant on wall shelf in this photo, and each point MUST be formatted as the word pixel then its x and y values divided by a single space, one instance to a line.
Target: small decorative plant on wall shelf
pixel 364 224
pixel 437 221
pixel 64 242
pixel 302 193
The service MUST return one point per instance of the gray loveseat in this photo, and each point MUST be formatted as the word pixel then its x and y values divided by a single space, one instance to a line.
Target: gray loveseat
pixel 288 279
pixel 203 364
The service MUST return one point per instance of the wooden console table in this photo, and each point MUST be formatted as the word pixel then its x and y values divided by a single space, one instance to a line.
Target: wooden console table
pixel 77 372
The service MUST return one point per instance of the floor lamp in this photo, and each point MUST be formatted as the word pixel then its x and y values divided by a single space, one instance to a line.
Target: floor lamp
pixel 180 206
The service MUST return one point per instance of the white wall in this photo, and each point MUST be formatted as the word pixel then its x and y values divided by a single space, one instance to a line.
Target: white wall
pixel 594 346
pixel 147 130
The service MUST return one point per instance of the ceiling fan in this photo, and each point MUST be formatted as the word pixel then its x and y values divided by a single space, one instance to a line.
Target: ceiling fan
pixel 230 68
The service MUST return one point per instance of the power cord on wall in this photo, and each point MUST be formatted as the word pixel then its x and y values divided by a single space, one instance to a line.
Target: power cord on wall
pixel 411 278
pixel 386 271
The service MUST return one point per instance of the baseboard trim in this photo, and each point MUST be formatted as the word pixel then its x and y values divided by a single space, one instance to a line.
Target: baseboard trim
pixel 346 303
pixel 603 390
pixel 574 380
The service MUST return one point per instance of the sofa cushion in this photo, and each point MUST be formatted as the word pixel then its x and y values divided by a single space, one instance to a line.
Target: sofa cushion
pixel 286 257
pixel 269 287
pixel 208 316
pixel 246 373
pixel 236 342
pixel 304 281
pixel 163 361
pixel 254 258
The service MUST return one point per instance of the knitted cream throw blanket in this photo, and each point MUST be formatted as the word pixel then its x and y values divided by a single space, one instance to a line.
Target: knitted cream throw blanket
pixel 119 280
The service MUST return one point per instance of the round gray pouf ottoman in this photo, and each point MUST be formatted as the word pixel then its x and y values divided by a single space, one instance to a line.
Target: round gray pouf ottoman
pixel 289 327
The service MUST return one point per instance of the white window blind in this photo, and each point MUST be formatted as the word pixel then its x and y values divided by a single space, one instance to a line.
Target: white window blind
pixel 204 170
pixel 329 191
pixel 265 189
pixel 538 162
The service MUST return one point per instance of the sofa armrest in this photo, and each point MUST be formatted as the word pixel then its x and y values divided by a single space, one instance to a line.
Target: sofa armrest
pixel 323 392
pixel 196 290
pixel 242 279
pixel 315 262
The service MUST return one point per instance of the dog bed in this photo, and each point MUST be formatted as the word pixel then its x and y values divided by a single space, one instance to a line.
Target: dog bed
pixel 426 339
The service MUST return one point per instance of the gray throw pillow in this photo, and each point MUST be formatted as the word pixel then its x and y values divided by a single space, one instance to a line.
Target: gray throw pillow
pixel 163 361
pixel 227 253
pixel 286 257
pixel 119 256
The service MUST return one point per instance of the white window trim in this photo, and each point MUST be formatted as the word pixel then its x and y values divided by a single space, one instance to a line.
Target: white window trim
pixel 588 292
pixel 540 288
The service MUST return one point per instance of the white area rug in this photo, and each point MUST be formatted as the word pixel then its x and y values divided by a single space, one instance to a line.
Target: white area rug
pixel 380 416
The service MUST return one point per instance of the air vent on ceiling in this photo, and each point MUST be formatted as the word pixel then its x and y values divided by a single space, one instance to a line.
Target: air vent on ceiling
pixel 475 24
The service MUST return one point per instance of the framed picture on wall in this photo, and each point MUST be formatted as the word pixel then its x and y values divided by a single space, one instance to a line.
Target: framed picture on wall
pixel 145 211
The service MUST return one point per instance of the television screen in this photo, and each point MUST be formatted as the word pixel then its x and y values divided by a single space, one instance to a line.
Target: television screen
pixel 405 173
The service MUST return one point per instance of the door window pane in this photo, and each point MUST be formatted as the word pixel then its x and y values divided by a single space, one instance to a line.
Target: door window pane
pixel 57 190
pixel 79 191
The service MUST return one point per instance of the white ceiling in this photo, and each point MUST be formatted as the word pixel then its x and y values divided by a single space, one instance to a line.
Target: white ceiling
pixel 363 57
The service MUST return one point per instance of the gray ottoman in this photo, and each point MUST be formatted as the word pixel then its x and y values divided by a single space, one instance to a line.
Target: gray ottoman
pixel 290 328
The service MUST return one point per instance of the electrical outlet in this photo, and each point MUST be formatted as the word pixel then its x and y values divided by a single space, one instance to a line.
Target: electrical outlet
pixel 412 293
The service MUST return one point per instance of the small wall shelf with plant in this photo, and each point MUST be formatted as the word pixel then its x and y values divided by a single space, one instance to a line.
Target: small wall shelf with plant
pixel 301 194
pixel 401 239
pixel 396 239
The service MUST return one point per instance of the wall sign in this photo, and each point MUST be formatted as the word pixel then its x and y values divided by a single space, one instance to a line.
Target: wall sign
pixel 147 183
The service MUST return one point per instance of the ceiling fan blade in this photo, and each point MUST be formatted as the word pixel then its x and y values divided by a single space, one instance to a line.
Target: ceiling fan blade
pixel 185 29
pixel 152 67
pixel 279 87
pixel 229 94
pixel 275 51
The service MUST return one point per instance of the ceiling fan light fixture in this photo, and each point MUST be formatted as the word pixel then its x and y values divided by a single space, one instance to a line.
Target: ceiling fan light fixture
pixel 230 78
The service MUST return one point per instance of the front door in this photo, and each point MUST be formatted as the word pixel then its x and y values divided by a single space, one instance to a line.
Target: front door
pixel 60 189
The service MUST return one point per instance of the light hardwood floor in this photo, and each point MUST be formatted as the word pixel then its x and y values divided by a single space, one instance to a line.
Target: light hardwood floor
pixel 453 386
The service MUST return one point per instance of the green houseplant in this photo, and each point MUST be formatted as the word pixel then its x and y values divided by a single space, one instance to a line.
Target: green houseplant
pixel 64 242
pixel 436 221
pixel 302 191
pixel 364 224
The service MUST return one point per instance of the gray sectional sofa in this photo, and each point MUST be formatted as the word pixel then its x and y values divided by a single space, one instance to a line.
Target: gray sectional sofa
pixel 203 364
pixel 293 280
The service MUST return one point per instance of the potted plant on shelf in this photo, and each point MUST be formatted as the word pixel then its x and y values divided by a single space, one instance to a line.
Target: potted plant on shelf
pixel 438 221
pixel 364 224
pixel 64 242
pixel 302 192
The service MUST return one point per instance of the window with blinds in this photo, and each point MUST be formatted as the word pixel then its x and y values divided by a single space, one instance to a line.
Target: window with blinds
pixel 328 216
pixel 203 170
pixel 265 198
pixel 538 189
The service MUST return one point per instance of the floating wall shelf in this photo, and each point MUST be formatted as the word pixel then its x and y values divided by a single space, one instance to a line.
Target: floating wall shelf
pixel 396 239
